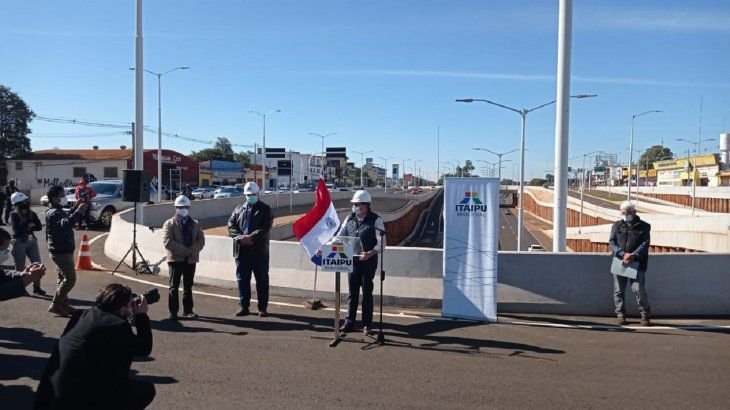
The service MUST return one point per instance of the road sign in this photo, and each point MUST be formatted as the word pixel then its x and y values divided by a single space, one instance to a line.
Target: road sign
pixel 283 167
pixel 336 152
pixel 275 153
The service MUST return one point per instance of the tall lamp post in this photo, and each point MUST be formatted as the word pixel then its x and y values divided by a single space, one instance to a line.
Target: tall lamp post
pixel 385 179
pixel 415 162
pixel 499 155
pixel 523 113
pixel 694 166
pixel 322 137
pixel 362 165
pixel 263 160
pixel 582 185
pixel 631 148
pixel 159 125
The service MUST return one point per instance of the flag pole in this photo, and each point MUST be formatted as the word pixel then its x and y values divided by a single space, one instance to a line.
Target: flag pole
pixel 315 303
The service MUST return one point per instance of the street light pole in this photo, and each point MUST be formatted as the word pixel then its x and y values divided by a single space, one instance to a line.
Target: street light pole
pixel 694 167
pixel 263 160
pixel 323 137
pixel 362 165
pixel 523 114
pixel 631 149
pixel 582 185
pixel 385 179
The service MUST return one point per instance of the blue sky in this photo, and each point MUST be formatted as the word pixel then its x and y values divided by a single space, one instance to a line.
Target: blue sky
pixel 382 74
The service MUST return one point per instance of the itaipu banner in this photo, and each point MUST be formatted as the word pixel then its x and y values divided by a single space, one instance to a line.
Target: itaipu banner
pixel 471 239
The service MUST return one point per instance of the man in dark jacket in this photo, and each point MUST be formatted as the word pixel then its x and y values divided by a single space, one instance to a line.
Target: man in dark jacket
pixel 61 245
pixel 250 226
pixel 10 189
pixel 629 241
pixel 89 368
pixel 13 283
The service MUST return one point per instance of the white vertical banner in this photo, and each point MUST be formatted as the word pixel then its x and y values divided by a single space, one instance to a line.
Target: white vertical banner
pixel 471 239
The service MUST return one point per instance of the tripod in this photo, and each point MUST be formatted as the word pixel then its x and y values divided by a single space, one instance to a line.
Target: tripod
pixel 143 266
pixel 380 338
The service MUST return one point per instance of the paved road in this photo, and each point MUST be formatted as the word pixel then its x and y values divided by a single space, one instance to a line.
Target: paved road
pixel 223 362
pixel 508 231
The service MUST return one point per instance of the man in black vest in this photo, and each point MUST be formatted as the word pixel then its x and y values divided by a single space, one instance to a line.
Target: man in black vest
pixel 250 227
pixel 366 225
pixel 629 241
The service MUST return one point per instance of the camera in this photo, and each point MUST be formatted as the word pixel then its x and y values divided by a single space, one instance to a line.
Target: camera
pixel 151 295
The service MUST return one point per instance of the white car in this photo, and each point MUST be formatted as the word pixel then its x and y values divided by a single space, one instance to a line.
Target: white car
pixel 229 192
pixel 203 193
pixel 535 248
pixel 66 191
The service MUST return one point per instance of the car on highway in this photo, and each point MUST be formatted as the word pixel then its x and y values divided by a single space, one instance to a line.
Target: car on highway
pixel 203 193
pixel 66 191
pixel 108 201
pixel 414 190
pixel 229 192
pixel 535 248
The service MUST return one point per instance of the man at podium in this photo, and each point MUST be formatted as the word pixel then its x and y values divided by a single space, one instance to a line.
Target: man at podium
pixel 369 227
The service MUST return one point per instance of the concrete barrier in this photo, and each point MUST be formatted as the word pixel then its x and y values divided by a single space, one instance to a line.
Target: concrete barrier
pixel 550 283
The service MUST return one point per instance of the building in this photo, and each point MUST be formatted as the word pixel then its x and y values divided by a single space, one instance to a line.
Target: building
pixel 305 168
pixel 66 167
pixel 678 172
pixel 217 172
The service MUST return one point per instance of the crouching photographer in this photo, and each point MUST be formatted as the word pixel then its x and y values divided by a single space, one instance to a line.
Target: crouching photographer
pixel 89 368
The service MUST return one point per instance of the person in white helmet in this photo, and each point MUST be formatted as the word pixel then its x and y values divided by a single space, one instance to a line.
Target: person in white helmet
pixel 250 227
pixel 24 223
pixel 366 225
pixel 183 239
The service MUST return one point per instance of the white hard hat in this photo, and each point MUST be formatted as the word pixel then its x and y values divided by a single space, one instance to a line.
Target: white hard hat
pixel 182 200
pixel 361 196
pixel 250 188
pixel 18 197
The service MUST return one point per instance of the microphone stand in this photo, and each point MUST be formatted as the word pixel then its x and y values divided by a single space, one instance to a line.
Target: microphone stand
pixel 380 338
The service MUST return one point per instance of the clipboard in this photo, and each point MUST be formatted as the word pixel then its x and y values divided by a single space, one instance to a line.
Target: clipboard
pixel 618 268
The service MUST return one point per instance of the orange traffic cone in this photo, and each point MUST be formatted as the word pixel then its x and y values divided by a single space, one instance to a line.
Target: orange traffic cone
pixel 84 260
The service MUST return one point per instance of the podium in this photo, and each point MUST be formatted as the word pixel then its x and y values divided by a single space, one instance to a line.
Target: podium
pixel 337 256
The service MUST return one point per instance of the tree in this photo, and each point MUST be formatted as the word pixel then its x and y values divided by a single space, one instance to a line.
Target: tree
pixel 465 171
pixel 655 153
pixel 537 182
pixel 243 158
pixel 14 119
pixel 222 150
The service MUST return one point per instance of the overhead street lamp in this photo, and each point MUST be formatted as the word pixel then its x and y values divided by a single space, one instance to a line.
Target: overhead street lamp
pixel 631 148
pixel 159 125
pixel 385 179
pixel 323 156
pixel 490 166
pixel 403 165
pixel 263 167
pixel 582 187
pixel 694 167
pixel 523 113
pixel 499 155
pixel 362 165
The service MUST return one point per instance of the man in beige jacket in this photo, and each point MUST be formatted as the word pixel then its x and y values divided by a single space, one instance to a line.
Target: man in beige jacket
pixel 183 238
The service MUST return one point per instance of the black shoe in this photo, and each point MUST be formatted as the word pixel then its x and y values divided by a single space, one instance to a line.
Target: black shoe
pixel 39 292
pixel 173 317
pixel 347 327
pixel 262 313
pixel 243 312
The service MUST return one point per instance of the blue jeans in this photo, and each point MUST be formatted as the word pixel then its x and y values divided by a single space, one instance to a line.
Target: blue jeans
pixel 638 287
pixel 23 249
pixel 258 264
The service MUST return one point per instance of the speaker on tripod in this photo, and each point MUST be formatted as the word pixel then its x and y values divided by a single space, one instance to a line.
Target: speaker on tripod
pixel 136 186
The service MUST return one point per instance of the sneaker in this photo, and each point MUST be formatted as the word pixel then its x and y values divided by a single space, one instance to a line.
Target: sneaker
pixel 58 310
pixel 262 313
pixel 621 321
pixel 367 331
pixel 645 321
pixel 39 292
pixel 347 327
pixel 243 312
pixel 190 315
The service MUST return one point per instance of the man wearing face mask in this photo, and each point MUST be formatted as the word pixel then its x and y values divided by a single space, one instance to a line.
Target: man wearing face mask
pixel 364 224
pixel 13 283
pixel 25 223
pixel 61 245
pixel 183 238
pixel 89 367
pixel 629 241
pixel 250 226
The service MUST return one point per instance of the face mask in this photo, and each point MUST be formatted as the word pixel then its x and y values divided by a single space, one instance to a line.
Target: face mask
pixel 183 212
pixel 4 254
pixel 355 209
pixel 252 199
pixel 627 218
pixel 64 201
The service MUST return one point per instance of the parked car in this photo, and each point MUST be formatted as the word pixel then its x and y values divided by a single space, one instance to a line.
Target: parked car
pixel 229 192
pixel 535 248
pixel 66 190
pixel 414 190
pixel 108 201
pixel 203 193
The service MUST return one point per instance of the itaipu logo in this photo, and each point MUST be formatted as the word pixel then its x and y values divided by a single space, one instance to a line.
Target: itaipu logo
pixel 337 257
pixel 331 223
pixel 471 205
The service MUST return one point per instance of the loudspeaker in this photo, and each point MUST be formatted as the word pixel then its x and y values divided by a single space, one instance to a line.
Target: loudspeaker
pixel 135 187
